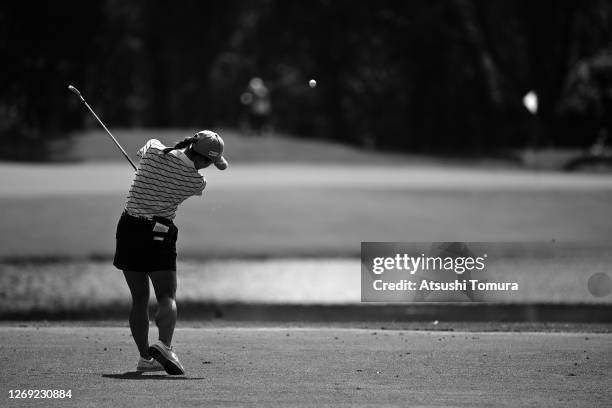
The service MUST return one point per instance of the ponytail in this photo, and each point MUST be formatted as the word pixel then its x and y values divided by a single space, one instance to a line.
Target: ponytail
pixel 182 144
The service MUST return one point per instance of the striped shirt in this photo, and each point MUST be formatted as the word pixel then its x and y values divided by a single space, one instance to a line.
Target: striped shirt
pixel 162 182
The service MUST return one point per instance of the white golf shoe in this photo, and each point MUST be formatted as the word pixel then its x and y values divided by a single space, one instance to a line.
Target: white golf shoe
pixel 167 358
pixel 149 365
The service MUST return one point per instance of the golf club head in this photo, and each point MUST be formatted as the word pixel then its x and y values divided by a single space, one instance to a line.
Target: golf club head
pixel 73 89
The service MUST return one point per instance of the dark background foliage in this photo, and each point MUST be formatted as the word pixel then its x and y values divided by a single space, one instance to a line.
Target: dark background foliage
pixel 413 75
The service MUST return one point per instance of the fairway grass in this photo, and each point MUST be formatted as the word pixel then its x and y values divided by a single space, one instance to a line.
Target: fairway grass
pixel 94 145
pixel 284 209
pixel 306 222
pixel 287 211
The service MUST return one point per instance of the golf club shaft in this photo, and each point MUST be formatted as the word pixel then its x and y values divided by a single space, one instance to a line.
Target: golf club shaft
pixel 73 89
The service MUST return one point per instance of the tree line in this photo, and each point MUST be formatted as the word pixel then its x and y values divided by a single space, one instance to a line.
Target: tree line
pixel 415 75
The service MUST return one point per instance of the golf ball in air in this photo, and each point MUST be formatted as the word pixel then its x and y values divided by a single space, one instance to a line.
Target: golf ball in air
pixel 312 83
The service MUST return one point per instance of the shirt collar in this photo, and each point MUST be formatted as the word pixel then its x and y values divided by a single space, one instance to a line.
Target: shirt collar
pixel 181 155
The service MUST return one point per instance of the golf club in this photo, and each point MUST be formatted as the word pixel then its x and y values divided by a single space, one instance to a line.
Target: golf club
pixel 76 91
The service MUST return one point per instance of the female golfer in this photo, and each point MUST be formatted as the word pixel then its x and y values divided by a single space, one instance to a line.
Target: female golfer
pixel 146 237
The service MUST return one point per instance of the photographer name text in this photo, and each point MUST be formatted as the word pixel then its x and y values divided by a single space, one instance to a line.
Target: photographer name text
pixel 424 264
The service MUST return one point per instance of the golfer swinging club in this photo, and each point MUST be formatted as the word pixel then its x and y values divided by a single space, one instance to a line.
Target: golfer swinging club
pixel 146 237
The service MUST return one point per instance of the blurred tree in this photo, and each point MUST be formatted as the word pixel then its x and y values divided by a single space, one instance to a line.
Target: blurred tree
pixel 426 75
pixel 45 46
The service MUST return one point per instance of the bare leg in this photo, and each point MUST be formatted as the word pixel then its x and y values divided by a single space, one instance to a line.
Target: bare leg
pixel 139 315
pixel 164 284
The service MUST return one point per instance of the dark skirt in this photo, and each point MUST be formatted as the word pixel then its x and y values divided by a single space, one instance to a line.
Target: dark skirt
pixel 145 245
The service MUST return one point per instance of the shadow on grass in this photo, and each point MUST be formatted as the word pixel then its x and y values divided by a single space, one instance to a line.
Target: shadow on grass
pixel 139 375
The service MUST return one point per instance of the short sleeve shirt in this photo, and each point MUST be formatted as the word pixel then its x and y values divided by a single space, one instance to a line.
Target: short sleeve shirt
pixel 162 182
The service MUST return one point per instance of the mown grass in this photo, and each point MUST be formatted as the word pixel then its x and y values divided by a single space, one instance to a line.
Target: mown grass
pixel 95 145
pixel 243 147
pixel 306 222
pixel 68 213
pixel 288 210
